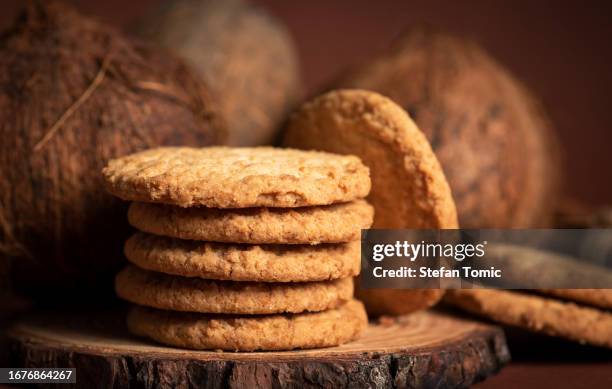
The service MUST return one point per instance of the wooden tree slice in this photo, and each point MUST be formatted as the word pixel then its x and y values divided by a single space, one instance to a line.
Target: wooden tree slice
pixel 426 349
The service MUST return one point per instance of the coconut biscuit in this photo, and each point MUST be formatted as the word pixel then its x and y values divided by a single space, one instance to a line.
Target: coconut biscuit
pixel 397 302
pixel 409 189
pixel 537 313
pixel 306 225
pixel 236 262
pixel 243 333
pixel 224 177
pixel 601 298
pixel 184 294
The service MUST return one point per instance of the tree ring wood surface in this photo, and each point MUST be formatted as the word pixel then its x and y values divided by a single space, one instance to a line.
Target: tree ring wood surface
pixel 426 349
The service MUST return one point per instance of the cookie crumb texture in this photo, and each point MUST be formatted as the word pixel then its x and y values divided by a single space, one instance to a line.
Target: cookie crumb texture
pixel 184 294
pixel 242 333
pixel 539 314
pixel 305 225
pixel 409 189
pixel 223 177
pixel 236 262
pixel 601 298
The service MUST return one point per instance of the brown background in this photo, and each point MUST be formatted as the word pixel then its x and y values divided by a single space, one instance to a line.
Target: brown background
pixel 560 49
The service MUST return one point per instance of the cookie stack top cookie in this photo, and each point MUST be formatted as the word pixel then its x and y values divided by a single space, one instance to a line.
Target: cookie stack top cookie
pixel 235 242
pixel 222 177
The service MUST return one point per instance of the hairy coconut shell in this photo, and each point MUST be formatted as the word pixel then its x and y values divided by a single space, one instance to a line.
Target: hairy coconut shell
pixel 495 145
pixel 73 94
pixel 247 57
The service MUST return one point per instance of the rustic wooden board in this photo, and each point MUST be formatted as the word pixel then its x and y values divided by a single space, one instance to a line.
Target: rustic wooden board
pixel 427 349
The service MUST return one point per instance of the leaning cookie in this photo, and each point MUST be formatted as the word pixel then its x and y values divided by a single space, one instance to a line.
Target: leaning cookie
pixel 386 301
pixel 243 333
pixel 305 225
pixel 536 313
pixel 409 189
pixel 223 177
pixel 236 262
pixel 184 294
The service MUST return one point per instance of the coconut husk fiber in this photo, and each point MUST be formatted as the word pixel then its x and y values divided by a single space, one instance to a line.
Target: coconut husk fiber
pixel 73 94
pixel 246 55
pixel 492 137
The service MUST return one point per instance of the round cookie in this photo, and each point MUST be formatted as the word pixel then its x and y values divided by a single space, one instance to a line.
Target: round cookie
pixel 537 313
pixel 184 294
pixel 601 298
pixel 409 189
pixel 306 225
pixel 242 333
pixel 382 302
pixel 224 177
pixel 264 263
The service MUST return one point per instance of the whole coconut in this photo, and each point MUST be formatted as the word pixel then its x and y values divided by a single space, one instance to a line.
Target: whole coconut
pixel 247 57
pixel 494 143
pixel 73 94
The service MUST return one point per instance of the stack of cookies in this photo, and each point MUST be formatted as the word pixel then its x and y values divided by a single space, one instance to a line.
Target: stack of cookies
pixel 242 248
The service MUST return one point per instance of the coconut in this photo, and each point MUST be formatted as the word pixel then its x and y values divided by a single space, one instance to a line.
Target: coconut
pixel 491 136
pixel 73 94
pixel 247 57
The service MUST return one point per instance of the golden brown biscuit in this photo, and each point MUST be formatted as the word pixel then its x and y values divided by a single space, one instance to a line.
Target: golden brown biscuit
pixel 243 333
pixel 224 177
pixel 537 313
pixel 384 301
pixel 176 293
pixel 223 261
pixel 305 225
pixel 596 297
pixel 409 189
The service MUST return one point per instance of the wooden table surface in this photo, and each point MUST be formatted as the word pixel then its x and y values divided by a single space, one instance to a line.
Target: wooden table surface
pixel 566 371
pixel 554 375
pixel 538 362
pixel 544 362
